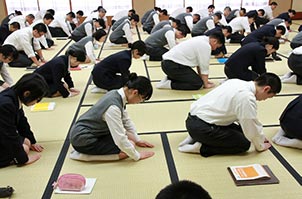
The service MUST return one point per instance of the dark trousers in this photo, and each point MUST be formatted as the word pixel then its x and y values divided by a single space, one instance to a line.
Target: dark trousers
pixel 108 81
pixel 22 61
pixel 50 43
pixel 236 37
pixel 295 45
pixel 57 32
pixel 182 77
pixel 147 29
pixel 156 53
pixel 120 40
pixel 247 75
pixel 217 139
pixel 295 64
pixel 76 38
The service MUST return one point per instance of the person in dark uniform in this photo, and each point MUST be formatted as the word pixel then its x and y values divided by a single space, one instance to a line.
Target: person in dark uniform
pixel 54 70
pixel 113 71
pixel 252 54
pixel 16 137
pixel 290 133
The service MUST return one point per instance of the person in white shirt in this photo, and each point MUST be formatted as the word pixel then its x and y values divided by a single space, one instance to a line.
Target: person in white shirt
pixel 122 15
pixel 60 26
pixel 99 13
pixel 46 41
pixel 105 131
pixel 40 14
pixel 87 29
pixel 24 21
pixel 224 121
pixel 178 11
pixel 268 10
pixel 206 12
pixel 178 63
pixel 24 42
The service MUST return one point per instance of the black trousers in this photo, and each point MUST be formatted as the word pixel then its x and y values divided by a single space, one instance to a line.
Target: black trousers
pixel 217 139
pixel 57 32
pixel 182 77
pixel 294 45
pixel 121 40
pixel 233 72
pixel 50 43
pixel 22 61
pixel 295 64
pixel 156 53
pixel 108 81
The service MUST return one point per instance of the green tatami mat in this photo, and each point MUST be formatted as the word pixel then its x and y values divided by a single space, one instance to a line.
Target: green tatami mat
pixel 292 155
pixel 30 181
pixel 125 179
pixel 212 174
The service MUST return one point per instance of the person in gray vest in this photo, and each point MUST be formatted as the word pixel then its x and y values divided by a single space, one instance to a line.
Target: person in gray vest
pixel 105 132
pixel 186 19
pixel 205 24
pixel 88 44
pixel 156 42
pixel 174 23
pixel 151 21
pixel 118 22
pixel 296 41
pixel 122 34
pixel 146 15
pixel 87 29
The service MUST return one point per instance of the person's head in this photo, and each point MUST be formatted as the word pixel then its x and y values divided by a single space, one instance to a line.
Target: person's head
pixel 196 18
pixel 99 35
pixel 48 18
pixel 70 16
pixel 267 86
pixel 280 30
pixel 242 12
pixel 271 44
pixel 76 57
pixel 51 11
pixel 14 26
pixel 134 19
pixel 226 31
pixel 291 13
pixel 102 11
pixel 189 9
pixel 8 53
pixel 158 9
pixel 79 13
pixel 138 49
pixel 217 16
pixel 261 13
pixel 273 5
pixel 175 22
pixel 227 10
pixel 131 12
pixel 30 18
pixel 211 8
pixel 163 12
pixel 181 31
pixel 138 89
pixel 216 40
pixel 17 12
pixel 183 190
pixel 99 23
pixel 39 30
pixel 31 88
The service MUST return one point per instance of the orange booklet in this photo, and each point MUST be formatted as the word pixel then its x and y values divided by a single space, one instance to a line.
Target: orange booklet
pixel 249 172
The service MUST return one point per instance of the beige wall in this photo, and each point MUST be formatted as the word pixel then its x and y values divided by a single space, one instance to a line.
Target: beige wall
pixel 283 6
pixel 2 10
pixel 297 5
pixel 141 6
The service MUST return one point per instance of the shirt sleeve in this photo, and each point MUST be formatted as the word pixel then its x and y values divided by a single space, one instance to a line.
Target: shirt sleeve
pixel 129 125
pixel 155 18
pixel 6 76
pixel 189 22
pixel 246 26
pixel 88 29
pixel 90 51
pixel 128 34
pixel 210 24
pixel 170 36
pixel 113 118
pixel 26 46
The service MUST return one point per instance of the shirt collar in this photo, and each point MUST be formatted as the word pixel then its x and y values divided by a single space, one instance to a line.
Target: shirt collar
pixel 123 95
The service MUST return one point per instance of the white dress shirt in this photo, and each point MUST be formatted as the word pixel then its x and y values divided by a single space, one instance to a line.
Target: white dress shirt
pixel 60 22
pixel 240 23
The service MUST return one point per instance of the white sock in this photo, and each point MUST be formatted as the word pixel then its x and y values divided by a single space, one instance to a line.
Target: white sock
pixel 286 76
pixel 98 90
pixel 281 140
pixel 291 80
pixel 279 134
pixel 190 148
pixel 187 140
pixel 84 157
pixel 164 84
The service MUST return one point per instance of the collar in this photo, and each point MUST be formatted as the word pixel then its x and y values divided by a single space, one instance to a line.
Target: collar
pixel 123 95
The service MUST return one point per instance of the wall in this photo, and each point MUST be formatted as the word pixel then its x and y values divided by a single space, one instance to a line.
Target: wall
pixel 141 6
pixel 297 5
pixel 283 6
pixel 3 13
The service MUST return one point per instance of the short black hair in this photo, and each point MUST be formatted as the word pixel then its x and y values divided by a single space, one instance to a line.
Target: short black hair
pixel 35 84
pixel 282 28
pixel 271 41
pixel 269 79
pixel 132 11
pixel 79 54
pixel 40 27
pixel 211 6
pixel 273 3
pixel 292 11
pixel 164 12
pixel 100 21
pixel 218 35
pixel 71 14
pixel 80 12
pixel 31 16
pixel 48 16
pixel 183 190
pixel 183 29
pixel 262 11
pixel 140 83
pixel 189 8
pixel 135 17
pixel 15 25
pixel 140 46
pixel 228 28
pixel 51 11
pixel 8 50
pixel 99 34
pixel 218 14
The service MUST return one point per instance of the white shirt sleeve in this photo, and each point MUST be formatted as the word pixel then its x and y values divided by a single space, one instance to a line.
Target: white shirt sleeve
pixel 65 28
pixel 43 41
pixel 210 24
pixel 88 29
pixel 155 19
pixel 129 126
pixel 246 25
pixel 170 36
pixel 114 120
pixel 89 51
pixel 5 75
pixel 189 22
pixel 128 33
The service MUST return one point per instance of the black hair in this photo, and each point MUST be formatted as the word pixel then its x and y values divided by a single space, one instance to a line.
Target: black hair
pixel 218 35
pixel 197 16
pixel 271 41
pixel 177 21
pixel 262 11
pixel 218 15
pixel 15 25
pixel 243 10
pixel 140 46
pixel 71 14
pixel 157 9
pixel 31 16
pixel 183 190
pixel 183 29
pixel 80 12
pixel 228 8
pixel 269 79
pixel 140 83
pixel 211 6
pixel 164 12
pixel 135 17
pixel 292 11
pixel 51 11
pixel 189 8
pixel 48 16
pixel 101 9
pixel 99 34
pixel 228 28
pixel 132 11
pixel 8 50
pixel 252 14
pixel 101 22
pixel 40 27
pixel 273 3
pixel 79 54
pixel 35 84
pixel 17 12
pixel 282 28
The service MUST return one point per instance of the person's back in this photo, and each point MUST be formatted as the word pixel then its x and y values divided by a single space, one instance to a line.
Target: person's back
pixel 158 39
pixel 118 22
pixel 160 25
pixel 201 26
pixel 259 34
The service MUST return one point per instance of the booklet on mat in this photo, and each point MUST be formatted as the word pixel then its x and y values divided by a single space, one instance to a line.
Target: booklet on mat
pixel 43 106
pixel 254 174
pixel 90 182
pixel 197 96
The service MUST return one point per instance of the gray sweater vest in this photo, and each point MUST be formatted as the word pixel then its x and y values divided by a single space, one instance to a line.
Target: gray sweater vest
pixel 80 45
pixel 118 32
pixel 158 39
pixel 201 26
pixel 80 31
pixel 118 22
pixel 91 125
pixel 160 25
pixel 181 17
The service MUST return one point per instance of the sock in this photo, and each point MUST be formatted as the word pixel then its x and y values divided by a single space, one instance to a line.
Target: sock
pixel 281 140
pixel 190 148
pixel 164 84
pixel 187 140
pixel 286 76
pixel 292 79
pixel 84 157
pixel 98 90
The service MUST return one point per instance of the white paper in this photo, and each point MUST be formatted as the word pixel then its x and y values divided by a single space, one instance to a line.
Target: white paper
pixel 87 190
